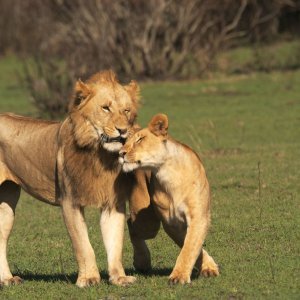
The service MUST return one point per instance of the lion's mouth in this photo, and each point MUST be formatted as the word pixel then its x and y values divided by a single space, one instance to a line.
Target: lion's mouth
pixel 106 139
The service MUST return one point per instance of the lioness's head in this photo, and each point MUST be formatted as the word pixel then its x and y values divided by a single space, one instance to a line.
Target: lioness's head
pixel 147 147
pixel 102 111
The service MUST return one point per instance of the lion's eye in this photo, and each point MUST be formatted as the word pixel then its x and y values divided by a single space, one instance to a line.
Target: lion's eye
pixel 127 111
pixel 106 108
pixel 139 140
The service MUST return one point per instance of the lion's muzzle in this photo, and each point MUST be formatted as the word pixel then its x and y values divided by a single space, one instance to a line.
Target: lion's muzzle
pixel 106 139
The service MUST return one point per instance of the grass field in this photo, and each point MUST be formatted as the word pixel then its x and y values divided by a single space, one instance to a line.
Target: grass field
pixel 247 130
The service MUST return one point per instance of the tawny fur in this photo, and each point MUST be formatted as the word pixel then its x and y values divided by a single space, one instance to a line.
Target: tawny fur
pixel 179 194
pixel 65 163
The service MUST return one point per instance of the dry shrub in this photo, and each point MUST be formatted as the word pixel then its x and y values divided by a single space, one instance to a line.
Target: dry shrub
pixel 146 39
pixel 156 39
pixel 49 85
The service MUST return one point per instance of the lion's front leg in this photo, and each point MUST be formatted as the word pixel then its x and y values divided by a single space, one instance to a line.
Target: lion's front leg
pixel 88 271
pixel 112 227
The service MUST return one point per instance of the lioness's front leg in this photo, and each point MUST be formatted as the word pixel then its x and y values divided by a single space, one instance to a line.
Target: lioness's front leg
pixel 205 264
pixel 196 232
pixel 143 223
pixel 112 227
pixel 88 271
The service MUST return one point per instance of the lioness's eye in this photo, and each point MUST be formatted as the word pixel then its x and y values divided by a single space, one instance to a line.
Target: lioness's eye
pixel 127 110
pixel 139 140
pixel 106 108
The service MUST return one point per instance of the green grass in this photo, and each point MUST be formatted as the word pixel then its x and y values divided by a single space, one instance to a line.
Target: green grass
pixel 247 130
pixel 281 55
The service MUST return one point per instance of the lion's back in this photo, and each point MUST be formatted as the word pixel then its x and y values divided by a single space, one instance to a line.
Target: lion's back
pixel 28 149
pixel 14 126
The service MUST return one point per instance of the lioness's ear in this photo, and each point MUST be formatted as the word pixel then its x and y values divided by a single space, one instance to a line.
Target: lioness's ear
pixel 133 90
pixel 159 125
pixel 81 92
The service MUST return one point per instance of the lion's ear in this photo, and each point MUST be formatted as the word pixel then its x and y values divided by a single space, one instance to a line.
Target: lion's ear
pixel 159 125
pixel 133 90
pixel 81 92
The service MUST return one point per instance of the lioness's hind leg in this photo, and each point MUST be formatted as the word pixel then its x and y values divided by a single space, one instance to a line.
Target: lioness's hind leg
pixel 9 196
pixel 206 265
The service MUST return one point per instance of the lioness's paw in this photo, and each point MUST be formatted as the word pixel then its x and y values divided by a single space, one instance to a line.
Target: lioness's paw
pixel 12 281
pixel 141 257
pixel 178 277
pixel 142 263
pixel 123 280
pixel 85 282
pixel 210 269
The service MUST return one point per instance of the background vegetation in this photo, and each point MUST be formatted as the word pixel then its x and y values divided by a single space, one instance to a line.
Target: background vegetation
pixel 156 39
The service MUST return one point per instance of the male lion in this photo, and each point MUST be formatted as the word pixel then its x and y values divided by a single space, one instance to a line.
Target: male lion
pixel 73 164
pixel 179 192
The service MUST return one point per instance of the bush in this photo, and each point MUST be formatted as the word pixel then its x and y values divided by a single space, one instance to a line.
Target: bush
pixel 156 39
pixel 146 39
pixel 50 86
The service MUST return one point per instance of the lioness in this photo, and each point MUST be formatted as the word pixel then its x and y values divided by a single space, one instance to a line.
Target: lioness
pixel 180 194
pixel 73 164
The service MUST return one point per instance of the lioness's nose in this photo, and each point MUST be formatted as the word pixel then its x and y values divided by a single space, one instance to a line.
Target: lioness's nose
pixel 122 130
pixel 122 153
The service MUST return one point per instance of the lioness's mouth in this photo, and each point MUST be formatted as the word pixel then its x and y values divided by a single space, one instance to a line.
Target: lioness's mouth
pixel 129 166
pixel 106 139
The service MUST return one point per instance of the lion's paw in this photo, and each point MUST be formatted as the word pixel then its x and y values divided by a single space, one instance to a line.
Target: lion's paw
pixel 85 282
pixel 179 277
pixel 123 280
pixel 210 269
pixel 12 281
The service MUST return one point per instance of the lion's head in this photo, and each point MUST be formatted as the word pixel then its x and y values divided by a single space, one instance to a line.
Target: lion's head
pixel 146 148
pixel 102 111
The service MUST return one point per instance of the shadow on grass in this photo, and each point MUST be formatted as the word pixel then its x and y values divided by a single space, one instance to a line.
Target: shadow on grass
pixel 55 277
pixel 150 273
pixel 158 272
pixel 72 277
pixel 28 276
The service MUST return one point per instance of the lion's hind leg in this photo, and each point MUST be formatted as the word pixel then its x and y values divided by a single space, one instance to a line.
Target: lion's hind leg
pixel 9 196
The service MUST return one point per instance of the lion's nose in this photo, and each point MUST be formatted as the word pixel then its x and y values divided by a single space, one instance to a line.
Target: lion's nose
pixel 122 130
pixel 122 153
